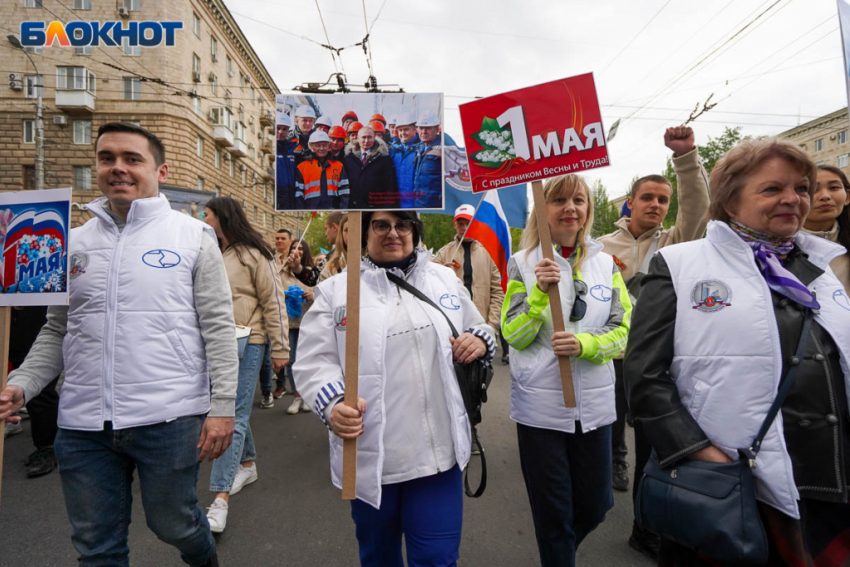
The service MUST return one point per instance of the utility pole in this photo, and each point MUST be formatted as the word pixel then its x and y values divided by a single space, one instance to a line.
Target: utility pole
pixel 39 121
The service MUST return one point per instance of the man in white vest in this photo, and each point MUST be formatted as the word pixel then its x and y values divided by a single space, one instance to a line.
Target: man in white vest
pixel 148 347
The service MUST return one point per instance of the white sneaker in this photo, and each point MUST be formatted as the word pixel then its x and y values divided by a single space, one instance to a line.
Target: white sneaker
pixel 217 515
pixel 267 401
pixel 245 475
pixel 304 407
pixel 294 407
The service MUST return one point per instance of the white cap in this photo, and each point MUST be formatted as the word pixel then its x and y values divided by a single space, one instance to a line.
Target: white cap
pixel 318 136
pixel 393 120
pixel 305 111
pixel 405 118
pixel 324 120
pixel 283 119
pixel 465 212
pixel 428 119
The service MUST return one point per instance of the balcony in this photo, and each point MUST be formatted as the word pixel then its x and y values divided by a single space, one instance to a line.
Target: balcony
pixel 222 118
pixel 222 135
pixel 267 119
pixel 267 147
pixel 268 173
pixel 239 148
pixel 75 100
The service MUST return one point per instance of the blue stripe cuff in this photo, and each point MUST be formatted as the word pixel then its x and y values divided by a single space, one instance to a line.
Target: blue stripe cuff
pixel 326 394
pixel 491 344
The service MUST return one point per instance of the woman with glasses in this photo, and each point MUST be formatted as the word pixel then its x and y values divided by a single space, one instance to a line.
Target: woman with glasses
pixel 412 428
pixel 565 453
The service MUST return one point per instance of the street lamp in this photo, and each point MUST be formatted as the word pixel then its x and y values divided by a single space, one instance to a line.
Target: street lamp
pixel 39 123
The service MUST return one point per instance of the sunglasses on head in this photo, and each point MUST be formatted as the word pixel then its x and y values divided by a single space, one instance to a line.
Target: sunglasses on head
pixel 579 305
pixel 383 227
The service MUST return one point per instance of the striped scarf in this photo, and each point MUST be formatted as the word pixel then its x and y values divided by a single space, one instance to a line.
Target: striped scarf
pixel 767 249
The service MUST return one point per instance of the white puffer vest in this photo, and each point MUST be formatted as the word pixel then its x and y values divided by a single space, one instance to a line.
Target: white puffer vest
pixel 537 398
pixel 728 361
pixel 133 352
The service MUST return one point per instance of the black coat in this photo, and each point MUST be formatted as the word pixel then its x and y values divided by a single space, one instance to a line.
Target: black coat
pixel 815 414
pixel 373 185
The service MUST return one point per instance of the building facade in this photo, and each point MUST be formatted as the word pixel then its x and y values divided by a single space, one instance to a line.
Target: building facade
pixel 824 139
pixel 209 98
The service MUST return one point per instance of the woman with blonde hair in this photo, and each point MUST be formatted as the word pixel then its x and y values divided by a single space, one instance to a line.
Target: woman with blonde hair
pixel 565 453
pixel 336 262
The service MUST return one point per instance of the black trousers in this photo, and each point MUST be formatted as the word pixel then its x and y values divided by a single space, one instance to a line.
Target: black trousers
pixel 618 431
pixel 44 412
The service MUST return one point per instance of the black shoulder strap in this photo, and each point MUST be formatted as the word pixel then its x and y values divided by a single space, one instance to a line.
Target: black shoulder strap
pixel 785 387
pixel 401 283
pixel 483 482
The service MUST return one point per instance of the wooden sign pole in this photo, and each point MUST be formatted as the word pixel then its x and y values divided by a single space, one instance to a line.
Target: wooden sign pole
pixel 5 325
pixel 554 292
pixel 352 350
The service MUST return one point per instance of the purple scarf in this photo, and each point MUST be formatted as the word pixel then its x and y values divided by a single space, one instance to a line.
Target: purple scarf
pixel 767 249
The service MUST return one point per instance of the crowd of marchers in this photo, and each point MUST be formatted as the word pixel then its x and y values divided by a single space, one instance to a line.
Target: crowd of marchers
pixel 724 339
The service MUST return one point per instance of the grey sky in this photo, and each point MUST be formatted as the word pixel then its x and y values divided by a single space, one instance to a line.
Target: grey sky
pixel 785 68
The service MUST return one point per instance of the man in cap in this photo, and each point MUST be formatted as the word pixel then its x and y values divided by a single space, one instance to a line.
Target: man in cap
pixel 403 153
pixel 337 136
pixel 474 267
pixel 305 118
pixel 320 182
pixel 428 178
pixel 370 172
pixel 324 123
pixel 285 162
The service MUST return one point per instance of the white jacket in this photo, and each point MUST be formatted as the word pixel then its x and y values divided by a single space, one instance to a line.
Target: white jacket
pixel 133 352
pixel 321 361
pixel 728 361
pixel 537 397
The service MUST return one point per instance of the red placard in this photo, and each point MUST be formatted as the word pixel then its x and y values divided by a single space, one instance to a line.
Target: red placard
pixel 534 133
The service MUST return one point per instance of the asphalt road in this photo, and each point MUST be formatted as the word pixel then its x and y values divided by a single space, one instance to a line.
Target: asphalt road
pixel 294 516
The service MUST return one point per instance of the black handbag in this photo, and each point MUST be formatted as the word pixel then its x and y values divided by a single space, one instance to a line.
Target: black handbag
pixel 711 507
pixel 473 379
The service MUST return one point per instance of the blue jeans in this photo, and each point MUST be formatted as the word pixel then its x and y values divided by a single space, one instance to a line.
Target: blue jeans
pixel 568 480
pixel 242 449
pixel 96 469
pixel 428 511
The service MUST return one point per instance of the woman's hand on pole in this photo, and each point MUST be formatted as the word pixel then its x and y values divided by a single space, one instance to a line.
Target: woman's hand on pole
pixel 347 422
pixel 547 272
pixel 565 343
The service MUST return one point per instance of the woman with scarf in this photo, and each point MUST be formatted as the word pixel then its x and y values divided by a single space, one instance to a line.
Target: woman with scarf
pixel 412 428
pixel 715 334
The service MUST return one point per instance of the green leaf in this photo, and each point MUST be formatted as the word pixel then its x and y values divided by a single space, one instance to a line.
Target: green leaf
pixel 490 124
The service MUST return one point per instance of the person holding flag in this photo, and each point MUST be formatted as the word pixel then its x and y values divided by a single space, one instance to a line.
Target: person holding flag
pixel 471 255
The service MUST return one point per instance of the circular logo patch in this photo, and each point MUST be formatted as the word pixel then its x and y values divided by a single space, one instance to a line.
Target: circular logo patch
pixel 79 261
pixel 709 296
pixel 161 258
pixel 841 299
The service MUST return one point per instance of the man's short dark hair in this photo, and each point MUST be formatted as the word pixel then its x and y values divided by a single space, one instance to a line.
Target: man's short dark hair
pixel 333 218
pixel 654 178
pixel 285 231
pixel 155 144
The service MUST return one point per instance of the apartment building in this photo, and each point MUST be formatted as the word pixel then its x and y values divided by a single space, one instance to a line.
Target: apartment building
pixel 824 139
pixel 209 98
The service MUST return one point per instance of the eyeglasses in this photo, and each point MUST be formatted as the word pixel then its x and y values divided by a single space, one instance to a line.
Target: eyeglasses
pixel 382 227
pixel 579 305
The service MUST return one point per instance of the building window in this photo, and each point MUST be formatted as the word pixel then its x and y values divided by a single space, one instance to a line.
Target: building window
pixel 842 137
pixel 32 4
pixel 217 158
pixel 29 177
pixel 227 100
pixel 843 160
pixel 82 131
pixel 133 50
pixel 819 145
pixel 136 122
pixel 231 165
pixel 213 84
pixel 196 103
pixel 33 84
pixel 82 4
pixel 229 66
pixel 29 131
pixel 255 214
pixel 75 79
pixel 84 50
pixel 132 88
pixel 200 183
pixel 132 5
pixel 196 24
pixel 264 219
pixel 82 177
pixel 244 176
pixel 252 93
pixel 200 147
pixel 196 64
pixel 35 50
pixel 217 191
pixel 214 48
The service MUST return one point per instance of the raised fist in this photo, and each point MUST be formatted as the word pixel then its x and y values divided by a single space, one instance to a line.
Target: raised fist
pixel 680 139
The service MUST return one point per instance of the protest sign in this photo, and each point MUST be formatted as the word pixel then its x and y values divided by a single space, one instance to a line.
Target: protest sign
pixel 534 133
pixel 34 228
pixel 356 152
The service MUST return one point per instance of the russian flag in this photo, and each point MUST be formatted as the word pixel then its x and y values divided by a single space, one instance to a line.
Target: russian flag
pixel 489 226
